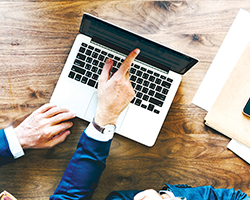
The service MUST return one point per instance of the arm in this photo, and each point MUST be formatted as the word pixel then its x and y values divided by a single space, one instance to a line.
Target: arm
pixel 83 172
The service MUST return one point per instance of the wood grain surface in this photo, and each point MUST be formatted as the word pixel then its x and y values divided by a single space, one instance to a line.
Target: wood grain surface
pixel 35 39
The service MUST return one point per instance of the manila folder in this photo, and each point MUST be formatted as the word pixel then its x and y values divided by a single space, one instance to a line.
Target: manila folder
pixel 226 114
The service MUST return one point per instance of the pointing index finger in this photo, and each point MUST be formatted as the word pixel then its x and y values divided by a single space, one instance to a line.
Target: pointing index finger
pixel 128 61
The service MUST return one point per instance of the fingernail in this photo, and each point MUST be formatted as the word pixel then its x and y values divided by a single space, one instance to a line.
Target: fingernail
pixel 108 60
pixel 137 51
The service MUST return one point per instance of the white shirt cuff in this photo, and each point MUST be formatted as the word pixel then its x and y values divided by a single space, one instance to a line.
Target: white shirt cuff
pixel 15 147
pixel 96 135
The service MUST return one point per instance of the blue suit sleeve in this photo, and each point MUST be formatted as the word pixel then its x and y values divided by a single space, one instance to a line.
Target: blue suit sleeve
pixel 5 153
pixel 207 193
pixel 83 172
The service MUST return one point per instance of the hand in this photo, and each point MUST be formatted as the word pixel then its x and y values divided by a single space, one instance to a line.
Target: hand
pixel 150 195
pixel 45 127
pixel 115 92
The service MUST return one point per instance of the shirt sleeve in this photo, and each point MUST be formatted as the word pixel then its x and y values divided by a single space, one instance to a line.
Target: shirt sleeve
pixel 15 146
pixel 93 133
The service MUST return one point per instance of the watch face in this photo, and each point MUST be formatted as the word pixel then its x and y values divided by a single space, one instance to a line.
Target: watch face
pixel 109 129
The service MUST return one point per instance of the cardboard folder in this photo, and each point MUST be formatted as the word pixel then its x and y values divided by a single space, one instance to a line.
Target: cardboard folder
pixel 226 114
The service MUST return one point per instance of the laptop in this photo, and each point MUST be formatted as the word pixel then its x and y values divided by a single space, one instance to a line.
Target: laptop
pixel 155 76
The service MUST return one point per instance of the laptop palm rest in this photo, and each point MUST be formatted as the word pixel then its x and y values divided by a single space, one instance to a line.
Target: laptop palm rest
pixel 90 112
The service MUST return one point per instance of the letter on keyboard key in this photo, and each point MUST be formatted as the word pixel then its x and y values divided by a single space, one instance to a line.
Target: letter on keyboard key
pixel 160 96
pixel 155 101
pixel 166 84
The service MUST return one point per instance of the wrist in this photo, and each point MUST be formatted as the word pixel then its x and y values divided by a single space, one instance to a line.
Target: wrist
pixel 102 120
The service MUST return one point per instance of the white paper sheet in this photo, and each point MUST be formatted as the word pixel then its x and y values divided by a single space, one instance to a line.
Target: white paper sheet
pixel 229 53
pixel 224 61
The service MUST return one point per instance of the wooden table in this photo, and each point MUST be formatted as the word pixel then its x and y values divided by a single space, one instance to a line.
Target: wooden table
pixel 35 39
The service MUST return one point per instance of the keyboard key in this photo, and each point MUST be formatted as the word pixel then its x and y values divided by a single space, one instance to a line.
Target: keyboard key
pixel 165 91
pixel 82 50
pixel 139 95
pixel 110 55
pixel 170 80
pixel 99 71
pixel 88 66
pixel 145 75
pixel 138 87
pixel 151 107
pixel 95 55
pixel 163 77
pixel 152 78
pixel 79 63
pixel 84 44
pixel 146 83
pixel 158 81
pixel 81 56
pixel 94 69
pixel 104 53
pixel 97 50
pixel 101 57
pixel 143 106
pixel 156 111
pixel 151 92
pixel 101 64
pixel 133 100
pixel 78 77
pixel 133 78
pixel 84 80
pixel 138 102
pixel 91 83
pixel 113 70
pixel 95 62
pixel 114 63
pixel 160 96
pixel 117 58
pixel 78 70
pixel 145 97
pixel 139 80
pixel 149 71
pixel 145 90
pixel 166 84
pixel 152 86
pixel 132 70
pixel 158 88
pixel 89 60
pixel 137 66
pixel 156 74
pixel 88 74
pixel 133 84
pixel 143 69
pixel 95 76
pixel 91 47
pixel 88 52
pixel 139 73
pixel 155 101
pixel 71 74
pixel 119 64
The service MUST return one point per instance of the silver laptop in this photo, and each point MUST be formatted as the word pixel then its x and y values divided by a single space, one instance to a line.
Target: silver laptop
pixel 155 77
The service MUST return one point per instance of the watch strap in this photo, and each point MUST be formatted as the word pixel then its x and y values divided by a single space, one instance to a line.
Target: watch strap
pixel 99 128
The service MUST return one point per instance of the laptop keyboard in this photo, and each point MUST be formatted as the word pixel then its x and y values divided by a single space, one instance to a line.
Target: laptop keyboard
pixel 151 87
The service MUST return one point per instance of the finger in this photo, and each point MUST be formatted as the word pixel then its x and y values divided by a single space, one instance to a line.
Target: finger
pixel 106 70
pixel 58 128
pixel 59 138
pixel 55 111
pixel 61 117
pixel 45 108
pixel 127 62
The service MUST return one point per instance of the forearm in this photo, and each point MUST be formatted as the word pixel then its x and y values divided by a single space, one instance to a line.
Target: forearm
pixel 83 172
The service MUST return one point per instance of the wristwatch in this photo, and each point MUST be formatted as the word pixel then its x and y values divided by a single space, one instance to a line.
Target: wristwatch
pixel 108 129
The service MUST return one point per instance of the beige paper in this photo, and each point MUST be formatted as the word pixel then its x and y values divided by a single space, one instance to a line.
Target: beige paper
pixel 226 114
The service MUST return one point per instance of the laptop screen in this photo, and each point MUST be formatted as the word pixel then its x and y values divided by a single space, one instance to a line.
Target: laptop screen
pixel 125 41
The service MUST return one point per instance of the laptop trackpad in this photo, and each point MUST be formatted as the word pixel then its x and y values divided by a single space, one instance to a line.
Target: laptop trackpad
pixel 90 112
